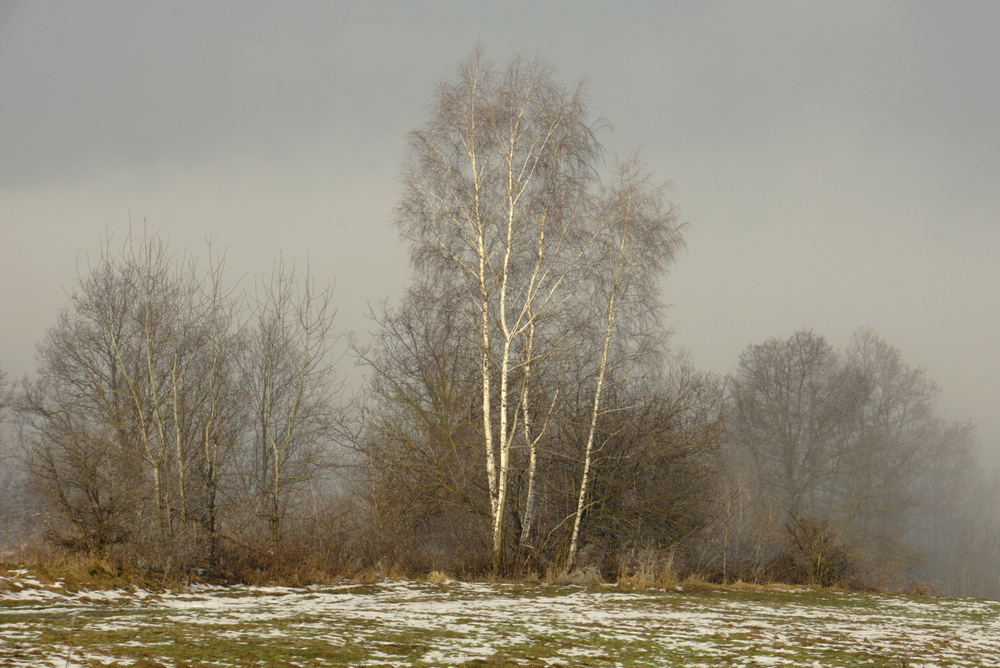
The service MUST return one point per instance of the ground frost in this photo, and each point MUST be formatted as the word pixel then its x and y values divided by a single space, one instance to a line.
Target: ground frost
pixel 426 625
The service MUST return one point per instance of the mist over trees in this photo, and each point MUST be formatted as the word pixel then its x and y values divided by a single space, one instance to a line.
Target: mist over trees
pixel 172 419
pixel 12 520
pixel 844 457
pixel 521 412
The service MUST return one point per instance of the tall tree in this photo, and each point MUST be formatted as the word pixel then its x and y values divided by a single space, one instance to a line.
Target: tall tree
pixel 638 238
pixel 540 269
pixel 792 409
pixel 492 182
pixel 893 440
pixel 292 389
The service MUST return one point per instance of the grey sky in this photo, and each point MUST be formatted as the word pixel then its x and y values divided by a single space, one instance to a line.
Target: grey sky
pixel 838 163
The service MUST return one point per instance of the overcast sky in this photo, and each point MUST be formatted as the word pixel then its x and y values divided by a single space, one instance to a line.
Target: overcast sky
pixel 838 162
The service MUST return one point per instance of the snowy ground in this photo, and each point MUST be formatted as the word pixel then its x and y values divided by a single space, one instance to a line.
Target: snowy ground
pixel 422 624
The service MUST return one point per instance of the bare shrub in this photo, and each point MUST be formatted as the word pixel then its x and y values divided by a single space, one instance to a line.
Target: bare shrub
pixel 650 568
pixel 815 552
pixel 584 576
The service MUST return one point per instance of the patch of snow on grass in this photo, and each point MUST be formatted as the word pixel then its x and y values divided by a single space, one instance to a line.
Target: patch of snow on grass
pixel 461 622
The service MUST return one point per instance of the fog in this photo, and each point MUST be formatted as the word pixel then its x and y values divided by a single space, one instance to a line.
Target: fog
pixel 836 163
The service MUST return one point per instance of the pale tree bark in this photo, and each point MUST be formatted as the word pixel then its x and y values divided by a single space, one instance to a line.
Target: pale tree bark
pixel 532 436
pixel 641 237
pixel 142 277
pixel 501 156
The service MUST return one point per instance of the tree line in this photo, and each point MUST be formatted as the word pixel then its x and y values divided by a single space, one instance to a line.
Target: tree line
pixel 521 411
pixel 167 413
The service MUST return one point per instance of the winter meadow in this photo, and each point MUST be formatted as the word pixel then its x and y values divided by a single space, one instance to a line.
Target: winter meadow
pixel 510 463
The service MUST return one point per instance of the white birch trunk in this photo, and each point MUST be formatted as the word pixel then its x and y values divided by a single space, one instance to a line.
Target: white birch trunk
pixel 588 452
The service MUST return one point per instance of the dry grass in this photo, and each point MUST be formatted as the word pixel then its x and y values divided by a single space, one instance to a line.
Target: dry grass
pixel 655 570
pixel 437 577
pixel 76 572
pixel 365 576
pixel 586 576
pixel 396 572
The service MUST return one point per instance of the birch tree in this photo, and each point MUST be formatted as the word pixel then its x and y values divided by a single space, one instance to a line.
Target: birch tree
pixel 491 184
pixel 639 237
pixel 124 416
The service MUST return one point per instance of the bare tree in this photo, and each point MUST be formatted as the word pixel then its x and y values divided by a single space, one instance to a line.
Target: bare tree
pixel 866 471
pixel 215 396
pixel 893 437
pixel 124 423
pixel 6 400
pixel 6 394
pixel 292 390
pixel 652 478
pixel 11 483
pixel 172 358
pixel 422 464
pixel 639 238
pixel 792 409
pixel 83 440
pixel 490 186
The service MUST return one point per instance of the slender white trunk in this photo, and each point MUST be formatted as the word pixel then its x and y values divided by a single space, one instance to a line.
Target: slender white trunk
pixel 491 464
pixel 529 441
pixel 588 452
pixel 178 439
pixel 505 432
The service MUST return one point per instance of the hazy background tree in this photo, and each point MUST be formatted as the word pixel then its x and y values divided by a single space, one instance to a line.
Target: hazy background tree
pixel 171 419
pixel 13 519
pixel 6 395
pixel 792 405
pixel 291 389
pixel 849 463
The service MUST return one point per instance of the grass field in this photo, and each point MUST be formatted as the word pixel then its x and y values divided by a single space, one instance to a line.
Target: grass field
pixel 409 623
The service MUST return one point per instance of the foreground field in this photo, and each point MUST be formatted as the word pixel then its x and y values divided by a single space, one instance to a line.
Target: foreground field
pixel 409 623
